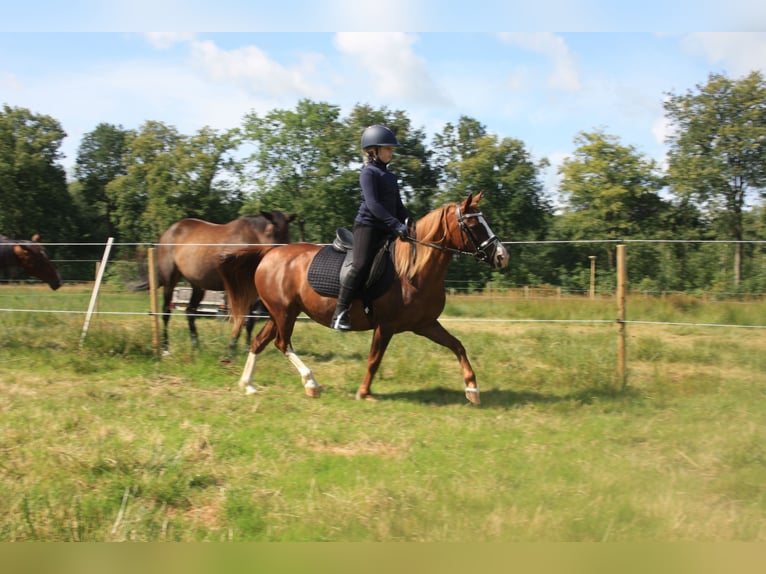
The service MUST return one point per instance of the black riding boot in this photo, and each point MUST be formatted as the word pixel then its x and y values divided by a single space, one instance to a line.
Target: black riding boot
pixel 340 318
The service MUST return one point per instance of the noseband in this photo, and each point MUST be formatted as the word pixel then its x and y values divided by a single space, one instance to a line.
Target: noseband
pixel 482 251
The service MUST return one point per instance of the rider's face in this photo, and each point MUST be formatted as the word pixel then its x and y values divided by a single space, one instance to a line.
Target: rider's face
pixel 385 153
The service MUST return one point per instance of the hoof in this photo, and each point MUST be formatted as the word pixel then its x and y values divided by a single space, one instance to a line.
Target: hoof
pixel 367 397
pixel 250 390
pixel 313 392
pixel 472 394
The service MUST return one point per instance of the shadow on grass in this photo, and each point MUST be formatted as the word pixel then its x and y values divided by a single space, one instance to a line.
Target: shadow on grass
pixel 505 398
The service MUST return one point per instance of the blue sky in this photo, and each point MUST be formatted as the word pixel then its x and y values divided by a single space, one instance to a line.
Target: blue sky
pixel 540 87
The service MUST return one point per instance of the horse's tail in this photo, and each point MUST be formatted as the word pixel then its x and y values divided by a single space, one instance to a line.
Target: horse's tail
pixel 237 268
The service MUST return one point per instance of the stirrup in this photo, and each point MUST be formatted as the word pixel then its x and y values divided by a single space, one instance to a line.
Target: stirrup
pixel 340 321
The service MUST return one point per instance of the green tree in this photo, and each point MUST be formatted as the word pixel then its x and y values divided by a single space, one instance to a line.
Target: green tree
pixel 612 190
pixel 299 162
pixel 169 176
pixel 33 190
pixel 470 160
pixel 307 161
pixel 143 195
pixel 100 159
pixel 209 175
pixel 717 153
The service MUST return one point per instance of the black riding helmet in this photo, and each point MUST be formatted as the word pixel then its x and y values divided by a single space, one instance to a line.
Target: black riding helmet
pixel 378 135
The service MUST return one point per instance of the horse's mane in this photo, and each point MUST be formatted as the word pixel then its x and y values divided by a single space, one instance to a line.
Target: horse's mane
pixel 432 228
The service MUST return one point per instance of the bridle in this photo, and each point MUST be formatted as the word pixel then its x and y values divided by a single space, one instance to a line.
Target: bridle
pixel 481 250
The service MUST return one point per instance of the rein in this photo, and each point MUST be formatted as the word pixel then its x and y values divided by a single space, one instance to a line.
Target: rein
pixel 481 249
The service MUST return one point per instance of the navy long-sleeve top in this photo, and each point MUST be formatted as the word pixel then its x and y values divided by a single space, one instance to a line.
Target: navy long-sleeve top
pixel 381 205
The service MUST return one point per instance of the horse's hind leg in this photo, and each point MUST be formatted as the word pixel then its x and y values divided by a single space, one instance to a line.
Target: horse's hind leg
pixel 191 314
pixel 285 332
pixel 167 298
pixel 310 384
pixel 263 338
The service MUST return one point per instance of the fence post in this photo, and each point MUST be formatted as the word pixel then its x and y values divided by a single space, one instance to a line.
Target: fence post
pixel 96 288
pixel 622 375
pixel 153 302
pixel 592 276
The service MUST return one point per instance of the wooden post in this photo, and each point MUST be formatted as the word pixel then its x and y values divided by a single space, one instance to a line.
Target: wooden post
pixel 153 302
pixel 622 374
pixel 592 276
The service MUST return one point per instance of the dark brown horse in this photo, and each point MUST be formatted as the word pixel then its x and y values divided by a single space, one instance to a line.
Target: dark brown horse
pixel 192 248
pixel 31 257
pixel 413 302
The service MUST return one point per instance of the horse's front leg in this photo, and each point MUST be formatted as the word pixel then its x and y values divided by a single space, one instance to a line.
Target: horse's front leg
pixel 248 322
pixel 380 340
pixel 440 335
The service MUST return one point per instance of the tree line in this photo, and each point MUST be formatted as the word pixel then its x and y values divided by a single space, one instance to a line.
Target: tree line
pixel 705 203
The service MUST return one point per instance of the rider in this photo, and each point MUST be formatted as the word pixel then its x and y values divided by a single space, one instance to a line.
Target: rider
pixel 381 215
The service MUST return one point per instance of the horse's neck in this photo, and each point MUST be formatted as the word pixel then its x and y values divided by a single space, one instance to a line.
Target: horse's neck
pixel 7 255
pixel 433 268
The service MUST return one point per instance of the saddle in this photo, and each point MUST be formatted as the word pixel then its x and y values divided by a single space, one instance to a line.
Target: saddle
pixel 334 261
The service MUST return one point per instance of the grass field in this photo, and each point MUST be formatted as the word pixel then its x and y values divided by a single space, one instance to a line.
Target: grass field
pixel 105 442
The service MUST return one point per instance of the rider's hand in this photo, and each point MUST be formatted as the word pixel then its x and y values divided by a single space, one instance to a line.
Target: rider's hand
pixel 409 223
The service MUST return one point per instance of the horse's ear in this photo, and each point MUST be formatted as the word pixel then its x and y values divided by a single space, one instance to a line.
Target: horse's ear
pixel 268 215
pixel 467 203
pixel 36 237
pixel 292 217
pixel 477 197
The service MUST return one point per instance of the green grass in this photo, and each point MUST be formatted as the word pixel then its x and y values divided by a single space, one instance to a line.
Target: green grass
pixel 106 442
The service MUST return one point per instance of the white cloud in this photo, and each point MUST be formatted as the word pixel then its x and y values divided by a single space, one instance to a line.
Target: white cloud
pixel 165 40
pixel 251 68
pixel 564 74
pixel 552 178
pixel 739 52
pixel 10 82
pixel 394 70
pixel 371 16
pixel 661 129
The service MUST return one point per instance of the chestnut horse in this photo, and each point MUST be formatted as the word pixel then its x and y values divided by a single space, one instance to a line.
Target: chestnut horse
pixel 31 257
pixel 191 248
pixel 413 302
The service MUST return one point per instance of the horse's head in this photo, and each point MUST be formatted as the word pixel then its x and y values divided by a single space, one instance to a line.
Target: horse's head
pixel 277 229
pixel 34 260
pixel 476 235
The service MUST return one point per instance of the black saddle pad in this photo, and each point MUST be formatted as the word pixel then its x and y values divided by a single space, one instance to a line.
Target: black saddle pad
pixel 324 275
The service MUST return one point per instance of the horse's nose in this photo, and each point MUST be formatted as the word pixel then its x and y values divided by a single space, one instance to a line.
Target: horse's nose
pixel 501 257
